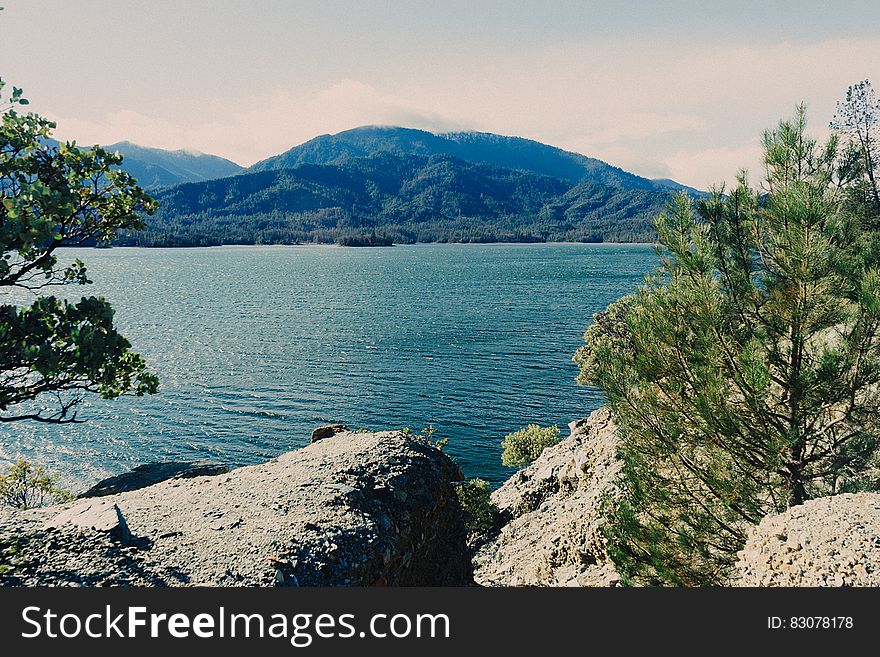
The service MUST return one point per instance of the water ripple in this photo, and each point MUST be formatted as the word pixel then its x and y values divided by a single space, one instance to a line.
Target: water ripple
pixel 256 345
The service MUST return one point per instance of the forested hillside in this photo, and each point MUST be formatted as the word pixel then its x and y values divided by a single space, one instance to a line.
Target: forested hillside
pixel 402 198
pixel 474 147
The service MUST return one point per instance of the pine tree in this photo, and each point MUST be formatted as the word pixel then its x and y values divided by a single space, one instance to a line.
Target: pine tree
pixel 744 374
pixel 858 121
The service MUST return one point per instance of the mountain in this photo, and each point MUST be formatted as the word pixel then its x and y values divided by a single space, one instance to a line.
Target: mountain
pixel 402 197
pixel 474 147
pixel 155 167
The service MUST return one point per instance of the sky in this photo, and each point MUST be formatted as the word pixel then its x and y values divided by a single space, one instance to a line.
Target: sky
pixel 677 89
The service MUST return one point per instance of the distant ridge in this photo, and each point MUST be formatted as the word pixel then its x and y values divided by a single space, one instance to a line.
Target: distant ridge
pixel 474 147
pixel 156 167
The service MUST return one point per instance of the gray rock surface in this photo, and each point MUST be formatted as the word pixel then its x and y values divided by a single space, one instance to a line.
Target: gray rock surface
pixel 359 509
pixel 101 515
pixel 551 536
pixel 153 473
pixel 73 556
pixel 830 541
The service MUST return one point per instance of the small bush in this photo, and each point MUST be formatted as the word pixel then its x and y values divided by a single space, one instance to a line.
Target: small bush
pixel 25 485
pixel 479 512
pixel 428 434
pixel 524 446
pixel 9 553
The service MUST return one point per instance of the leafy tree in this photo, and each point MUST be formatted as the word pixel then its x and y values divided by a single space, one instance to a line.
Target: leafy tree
pixel 25 486
pixel 54 351
pixel 428 433
pixel 858 120
pixel 744 373
pixel 609 327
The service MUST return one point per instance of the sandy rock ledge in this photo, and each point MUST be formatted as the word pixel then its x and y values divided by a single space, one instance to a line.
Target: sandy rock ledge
pixel 552 536
pixel 830 541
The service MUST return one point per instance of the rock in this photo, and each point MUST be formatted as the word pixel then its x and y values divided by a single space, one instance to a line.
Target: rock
pixel 830 541
pixel 153 473
pixel 372 509
pixel 552 519
pixel 101 516
pixel 345 490
pixel 328 431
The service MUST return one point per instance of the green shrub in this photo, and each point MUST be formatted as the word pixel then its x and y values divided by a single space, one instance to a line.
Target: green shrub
pixel 524 446
pixel 479 512
pixel 25 485
pixel 428 434
pixel 9 551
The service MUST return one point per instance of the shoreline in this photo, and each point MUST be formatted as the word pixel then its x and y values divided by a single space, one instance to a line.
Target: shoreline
pixel 340 246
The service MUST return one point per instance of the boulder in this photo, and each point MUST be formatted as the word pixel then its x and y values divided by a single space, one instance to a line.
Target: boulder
pixel 152 473
pixel 372 509
pixel 100 516
pixel 552 514
pixel 328 431
pixel 830 541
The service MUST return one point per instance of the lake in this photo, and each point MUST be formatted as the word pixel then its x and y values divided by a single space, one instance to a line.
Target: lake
pixel 255 346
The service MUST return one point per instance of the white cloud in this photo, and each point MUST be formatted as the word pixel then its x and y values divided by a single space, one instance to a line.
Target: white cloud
pixel 627 125
pixel 262 125
pixel 707 167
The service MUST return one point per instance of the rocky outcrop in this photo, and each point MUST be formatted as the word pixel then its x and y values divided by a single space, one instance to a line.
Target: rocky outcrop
pixel 328 431
pixel 551 513
pixel 551 534
pixel 153 473
pixel 831 541
pixel 102 517
pixel 357 509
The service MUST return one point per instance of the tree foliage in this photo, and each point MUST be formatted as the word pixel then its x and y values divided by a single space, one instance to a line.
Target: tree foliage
pixel 54 350
pixel 25 486
pixel 744 373
pixel 525 445
pixel 475 500
pixel 858 121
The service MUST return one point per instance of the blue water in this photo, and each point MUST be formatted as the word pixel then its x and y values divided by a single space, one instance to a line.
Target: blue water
pixel 255 346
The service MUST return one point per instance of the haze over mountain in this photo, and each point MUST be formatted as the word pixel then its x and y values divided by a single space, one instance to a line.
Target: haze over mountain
pixel 475 147
pixel 156 167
